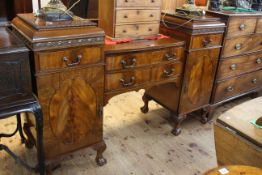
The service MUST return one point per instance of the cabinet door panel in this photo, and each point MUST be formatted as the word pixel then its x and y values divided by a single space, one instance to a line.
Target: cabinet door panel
pixel 198 79
pixel 71 105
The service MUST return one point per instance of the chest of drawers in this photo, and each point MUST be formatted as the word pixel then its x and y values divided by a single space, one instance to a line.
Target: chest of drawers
pixel 143 64
pixel 203 38
pixel 68 75
pixel 240 63
pixel 129 18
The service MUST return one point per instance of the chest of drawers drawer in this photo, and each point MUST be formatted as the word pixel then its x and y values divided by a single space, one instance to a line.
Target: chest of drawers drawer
pixel 166 71
pixel 133 16
pixel 67 58
pixel 135 60
pixel 238 85
pixel 205 41
pixel 127 79
pixel 137 3
pixel 239 65
pixel 241 45
pixel 241 26
pixel 138 30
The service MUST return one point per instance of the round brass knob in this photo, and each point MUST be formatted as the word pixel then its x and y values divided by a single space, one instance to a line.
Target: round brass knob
pixel 259 61
pixel 238 46
pixel 229 89
pixel 242 27
pixel 233 67
pixel 254 81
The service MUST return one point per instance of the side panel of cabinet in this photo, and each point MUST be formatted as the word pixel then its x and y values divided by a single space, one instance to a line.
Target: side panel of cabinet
pixel 198 79
pixel 72 102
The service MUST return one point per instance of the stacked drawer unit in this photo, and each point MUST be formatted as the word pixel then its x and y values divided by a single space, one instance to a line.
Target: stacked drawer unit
pixel 240 66
pixel 142 64
pixel 122 19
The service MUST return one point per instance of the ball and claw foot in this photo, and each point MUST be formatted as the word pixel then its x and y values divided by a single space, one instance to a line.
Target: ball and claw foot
pixel 144 109
pixel 176 131
pixel 101 161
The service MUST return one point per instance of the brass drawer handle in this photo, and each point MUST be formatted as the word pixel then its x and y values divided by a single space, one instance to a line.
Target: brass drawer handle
pixel 132 65
pixel 76 62
pixel 127 84
pixel 150 30
pixel 254 81
pixel 207 42
pixel 170 57
pixel 229 89
pixel 151 15
pixel 242 27
pixel 233 67
pixel 126 0
pixel 125 16
pixel 259 61
pixel 124 31
pixel 153 1
pixel 238 46
pixel 169 73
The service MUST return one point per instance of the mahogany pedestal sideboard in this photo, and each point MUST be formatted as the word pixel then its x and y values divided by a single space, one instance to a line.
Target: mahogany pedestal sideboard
pixel 237 140
pixel 142 64
pixel 203 36
pixel 68 75
pixel 240 64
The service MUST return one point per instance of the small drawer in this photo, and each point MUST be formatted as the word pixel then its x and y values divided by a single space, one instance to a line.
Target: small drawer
pixel 137 3
pixel 259 26
pixel 239 65
pixel 133 16
pixel 166 71
pixel 127 79
pixel 136 30
pixel 241 26
pixel 205 41
pixel 68 58
pixel 237 86
pixel 240 45
pixel 134 60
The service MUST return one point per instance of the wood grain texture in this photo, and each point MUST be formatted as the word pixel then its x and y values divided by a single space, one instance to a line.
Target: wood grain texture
pixel 238 65
pixel 236 86
pixel 167 71
pixel 206 41
pixel 172 4
pixel 236 170
pixel 138 3
pixel 241 26
pixel 259 26
pixel 199 76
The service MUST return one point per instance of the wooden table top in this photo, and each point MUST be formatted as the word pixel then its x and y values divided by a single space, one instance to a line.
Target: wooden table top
pixel 235 170
pixel 141 45
pixel 239 119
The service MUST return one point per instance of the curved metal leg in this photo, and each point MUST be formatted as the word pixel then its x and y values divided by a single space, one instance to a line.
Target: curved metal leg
pixel 19 127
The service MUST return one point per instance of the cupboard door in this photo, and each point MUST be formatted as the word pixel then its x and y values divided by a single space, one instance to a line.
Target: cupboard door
pixel 72 106
pixel 198 79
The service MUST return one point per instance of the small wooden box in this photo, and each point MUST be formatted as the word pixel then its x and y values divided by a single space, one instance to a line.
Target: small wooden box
pixel 135 19
pixel 237 141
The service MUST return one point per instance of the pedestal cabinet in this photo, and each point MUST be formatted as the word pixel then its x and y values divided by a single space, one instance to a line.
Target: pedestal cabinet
pixel 68 74
pixel 240 64
pixel 203 36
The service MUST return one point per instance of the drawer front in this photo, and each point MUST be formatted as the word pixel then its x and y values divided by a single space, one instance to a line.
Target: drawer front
pixel 68 58
pixel 133 60
pixel 137 3
pixel 166 71
pixel 132 16
pixel 259 26
pixel 205 41
pixel 136 30
pixel 127 79
pixel 240 45
pixel 241 26
pixel 239 65
pixel 237 86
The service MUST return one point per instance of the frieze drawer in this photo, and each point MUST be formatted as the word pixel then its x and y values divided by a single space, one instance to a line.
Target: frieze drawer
pixel 241 45
pixel 206 41
pixel 241 26
pixel 127 79
pixel 133 16
pixel 135 60
pixel 137 3
pixel 239 65
pixel 136 30
pixel 67 58
pixel 167 71
pixel 237 86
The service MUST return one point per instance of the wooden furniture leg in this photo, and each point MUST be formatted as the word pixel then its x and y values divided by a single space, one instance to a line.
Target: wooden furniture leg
pixel 145 99
pixel 207 114
pixel 100 148
pixel 177 123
